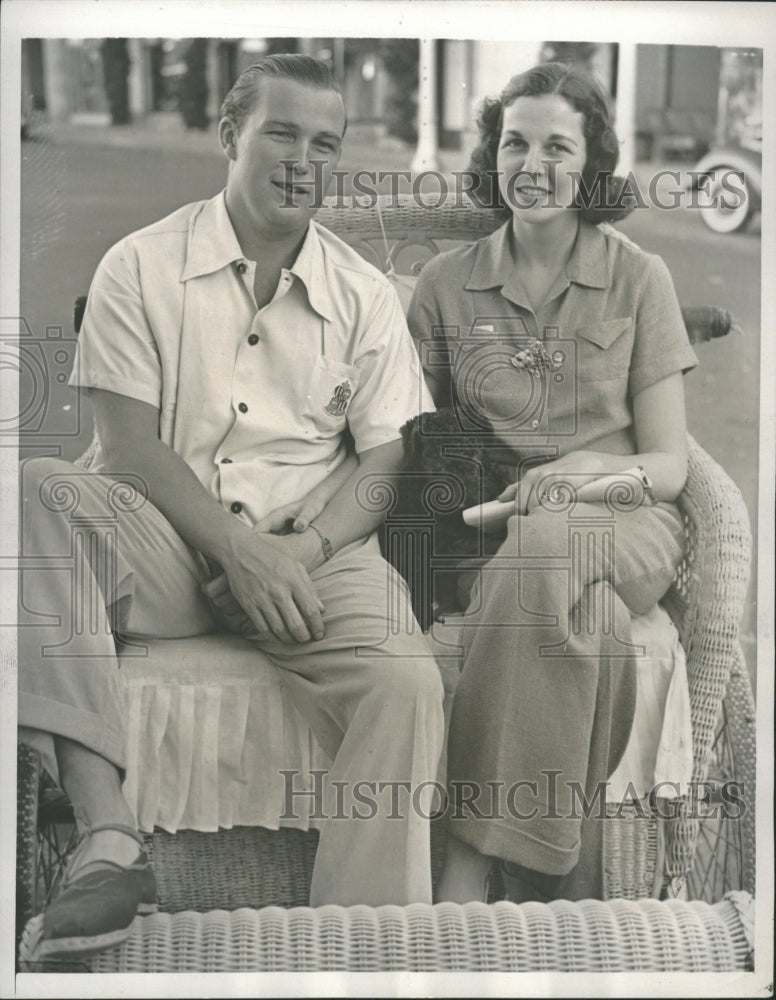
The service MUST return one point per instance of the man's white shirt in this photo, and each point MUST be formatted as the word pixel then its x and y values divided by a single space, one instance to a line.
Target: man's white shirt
pixel 255 401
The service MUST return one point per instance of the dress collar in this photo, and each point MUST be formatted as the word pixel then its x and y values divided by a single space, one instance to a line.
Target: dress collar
pixel 494 265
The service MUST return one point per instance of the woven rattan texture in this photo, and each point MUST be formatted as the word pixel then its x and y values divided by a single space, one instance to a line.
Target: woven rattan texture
pixel 633 857
pixel 250 867
pixel 741 723
pixel 562 936
pixel 242 867
pixel 27 779
pixel 706 603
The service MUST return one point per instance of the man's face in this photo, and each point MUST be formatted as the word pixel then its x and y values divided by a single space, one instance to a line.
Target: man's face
pixel 291 122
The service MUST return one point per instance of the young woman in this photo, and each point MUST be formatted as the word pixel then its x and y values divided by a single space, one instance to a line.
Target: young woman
pixel 565 342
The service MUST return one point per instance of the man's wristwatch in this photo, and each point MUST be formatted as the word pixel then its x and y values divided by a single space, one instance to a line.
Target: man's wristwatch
pixel 326 546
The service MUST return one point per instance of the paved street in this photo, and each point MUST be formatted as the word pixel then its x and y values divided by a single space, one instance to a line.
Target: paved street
pixel 80 195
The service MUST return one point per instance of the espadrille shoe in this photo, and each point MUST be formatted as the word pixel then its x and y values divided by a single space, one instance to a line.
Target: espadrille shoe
pixel 93 909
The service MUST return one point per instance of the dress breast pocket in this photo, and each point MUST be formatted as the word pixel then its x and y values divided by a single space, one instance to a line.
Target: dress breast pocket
pixel 329 393
pixel 604 349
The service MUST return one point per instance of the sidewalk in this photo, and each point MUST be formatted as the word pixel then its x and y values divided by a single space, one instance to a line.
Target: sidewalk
pixel 365 148
pixel 158 132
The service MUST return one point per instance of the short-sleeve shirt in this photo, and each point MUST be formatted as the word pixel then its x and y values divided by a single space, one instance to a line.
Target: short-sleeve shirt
pixel 256 401
pixel 610 327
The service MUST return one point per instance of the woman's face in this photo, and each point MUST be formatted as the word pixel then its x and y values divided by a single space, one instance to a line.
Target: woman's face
pixel 542 145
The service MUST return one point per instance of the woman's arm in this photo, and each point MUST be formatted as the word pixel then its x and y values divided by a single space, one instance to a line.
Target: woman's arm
pixel 660 423
pixel 661 438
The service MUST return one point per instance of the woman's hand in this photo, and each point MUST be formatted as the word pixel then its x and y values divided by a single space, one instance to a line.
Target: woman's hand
pixel 571 472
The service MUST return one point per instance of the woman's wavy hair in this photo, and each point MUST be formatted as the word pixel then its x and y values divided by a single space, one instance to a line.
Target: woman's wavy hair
pixel 585 95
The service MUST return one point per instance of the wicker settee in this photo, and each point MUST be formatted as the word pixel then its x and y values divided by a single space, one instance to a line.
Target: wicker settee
pixel 235 899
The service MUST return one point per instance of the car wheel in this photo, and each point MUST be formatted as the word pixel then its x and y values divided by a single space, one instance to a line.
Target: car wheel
pixel 725 211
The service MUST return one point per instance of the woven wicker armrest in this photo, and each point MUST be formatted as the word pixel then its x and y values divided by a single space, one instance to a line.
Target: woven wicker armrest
pixel 707 598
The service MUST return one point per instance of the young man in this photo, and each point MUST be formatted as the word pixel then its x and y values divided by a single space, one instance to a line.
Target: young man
pixel 226 350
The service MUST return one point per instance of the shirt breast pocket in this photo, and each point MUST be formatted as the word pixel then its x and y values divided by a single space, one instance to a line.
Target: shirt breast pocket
pixel 604 349
pixel 329 393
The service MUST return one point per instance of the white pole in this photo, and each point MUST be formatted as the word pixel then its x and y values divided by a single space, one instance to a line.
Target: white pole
pixel 139 82
pixel 626 106
pixel 214 94
pixel 426 153
pixel 56 79
pixel 338 54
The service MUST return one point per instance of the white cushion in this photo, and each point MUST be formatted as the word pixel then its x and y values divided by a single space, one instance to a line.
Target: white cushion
pixel 659 751
pixel 209 728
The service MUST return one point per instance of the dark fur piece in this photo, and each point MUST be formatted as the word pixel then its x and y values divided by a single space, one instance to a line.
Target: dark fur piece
pixel 446 470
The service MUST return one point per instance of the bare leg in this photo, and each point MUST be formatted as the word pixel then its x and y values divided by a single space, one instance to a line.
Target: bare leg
pixel 465 874
pixel 94 788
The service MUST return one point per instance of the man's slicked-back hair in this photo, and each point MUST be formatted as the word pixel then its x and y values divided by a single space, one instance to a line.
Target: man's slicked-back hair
pixel 239 102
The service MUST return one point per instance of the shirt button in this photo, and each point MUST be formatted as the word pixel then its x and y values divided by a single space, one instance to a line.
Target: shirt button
pixel 236 507
pixel 242 407
pixel 241 267
pixel 226 461
pixel 253 339
pixel 534 424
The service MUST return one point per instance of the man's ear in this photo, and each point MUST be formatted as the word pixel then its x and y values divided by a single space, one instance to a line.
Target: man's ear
pixel 227 136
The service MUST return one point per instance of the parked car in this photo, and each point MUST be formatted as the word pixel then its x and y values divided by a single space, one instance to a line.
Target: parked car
pixel 733 184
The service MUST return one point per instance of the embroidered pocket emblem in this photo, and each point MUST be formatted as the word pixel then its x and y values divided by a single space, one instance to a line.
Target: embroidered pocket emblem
pixel 339 401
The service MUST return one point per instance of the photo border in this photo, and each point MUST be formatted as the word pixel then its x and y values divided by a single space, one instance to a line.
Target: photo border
pixel 728 23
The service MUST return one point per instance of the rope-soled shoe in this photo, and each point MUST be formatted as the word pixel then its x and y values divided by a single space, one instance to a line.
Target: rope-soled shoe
pixel 93 909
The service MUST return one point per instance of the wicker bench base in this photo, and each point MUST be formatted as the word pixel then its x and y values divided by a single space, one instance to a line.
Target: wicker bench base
pixel 250 867
pixel 589 936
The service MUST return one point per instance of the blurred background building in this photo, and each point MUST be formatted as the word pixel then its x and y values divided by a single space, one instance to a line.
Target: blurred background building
pixel 673 101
